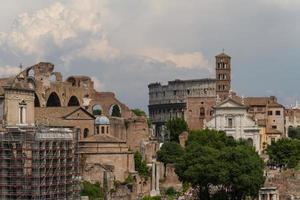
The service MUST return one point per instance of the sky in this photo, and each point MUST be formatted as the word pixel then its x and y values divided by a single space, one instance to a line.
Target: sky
pixel 126 44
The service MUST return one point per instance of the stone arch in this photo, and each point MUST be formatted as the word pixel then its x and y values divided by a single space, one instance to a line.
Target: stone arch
pixel 86 133
pixel 115 110
pixel 53 100
pixel 73 101
pixel 36 101
pixel 97 109
pixel 72 80
pixel 30 72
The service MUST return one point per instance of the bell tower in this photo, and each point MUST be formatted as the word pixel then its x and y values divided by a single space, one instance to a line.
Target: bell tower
pixel 223 75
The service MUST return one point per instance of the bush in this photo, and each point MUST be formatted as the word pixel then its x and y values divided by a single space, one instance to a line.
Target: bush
pixel 176 126
pixel 169 152
pixel 93 191
pixel 138 112
pixel 284 152
pixel 171 191
pixel 140 165
pixel 151 198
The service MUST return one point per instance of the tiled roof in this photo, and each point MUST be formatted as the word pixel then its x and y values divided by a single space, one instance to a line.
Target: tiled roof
pixel 102 138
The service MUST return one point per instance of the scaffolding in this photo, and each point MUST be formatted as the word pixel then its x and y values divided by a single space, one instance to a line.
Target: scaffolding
pixel 39 164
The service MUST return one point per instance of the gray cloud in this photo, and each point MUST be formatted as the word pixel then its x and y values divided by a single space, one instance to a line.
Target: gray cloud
pixel 125 45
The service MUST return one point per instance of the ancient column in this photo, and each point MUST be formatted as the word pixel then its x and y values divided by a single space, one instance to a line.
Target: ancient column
pixel 157 178
pixel 153 177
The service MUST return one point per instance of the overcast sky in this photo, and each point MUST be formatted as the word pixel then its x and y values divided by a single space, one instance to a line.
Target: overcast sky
pixel 126 44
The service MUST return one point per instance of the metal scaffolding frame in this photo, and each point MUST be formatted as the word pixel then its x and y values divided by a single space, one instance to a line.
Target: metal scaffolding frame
pixel 39 164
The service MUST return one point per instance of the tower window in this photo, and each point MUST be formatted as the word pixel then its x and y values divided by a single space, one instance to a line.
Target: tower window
pixel 202 112
pixel 102 130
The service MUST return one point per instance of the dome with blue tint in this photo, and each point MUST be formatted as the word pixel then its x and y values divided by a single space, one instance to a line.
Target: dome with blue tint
pixel 102 120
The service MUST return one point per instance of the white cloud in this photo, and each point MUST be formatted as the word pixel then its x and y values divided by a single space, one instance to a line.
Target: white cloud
pixel 7 71
pixel 184 60
pixel 98 85
pixel 72 27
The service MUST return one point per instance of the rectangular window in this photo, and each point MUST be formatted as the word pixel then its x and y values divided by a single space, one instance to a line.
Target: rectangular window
pixel 230 123
pixel 174 92
pixel 274 127
pixel 22 115
pixel 270 112
pixel 278 112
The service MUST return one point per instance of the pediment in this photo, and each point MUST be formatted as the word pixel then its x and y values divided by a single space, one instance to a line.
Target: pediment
pixel 79 114
pixel 230 103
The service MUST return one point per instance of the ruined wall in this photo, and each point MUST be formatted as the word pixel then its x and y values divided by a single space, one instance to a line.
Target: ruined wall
pixel 199 109
pixel 137 132
pixel 123 163
pixel 287 182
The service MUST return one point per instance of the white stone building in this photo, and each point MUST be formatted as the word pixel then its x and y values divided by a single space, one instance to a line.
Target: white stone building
pixel 231 117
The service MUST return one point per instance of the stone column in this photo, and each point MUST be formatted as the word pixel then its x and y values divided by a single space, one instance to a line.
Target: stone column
pixel 157 178
pixel 153 177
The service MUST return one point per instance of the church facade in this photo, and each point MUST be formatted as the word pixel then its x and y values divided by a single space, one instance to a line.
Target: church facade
pixel 232 117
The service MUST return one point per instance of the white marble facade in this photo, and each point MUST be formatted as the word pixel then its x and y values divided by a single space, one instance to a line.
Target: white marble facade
pixel 232 117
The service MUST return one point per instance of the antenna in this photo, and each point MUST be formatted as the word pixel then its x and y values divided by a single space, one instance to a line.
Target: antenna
pixel 21 67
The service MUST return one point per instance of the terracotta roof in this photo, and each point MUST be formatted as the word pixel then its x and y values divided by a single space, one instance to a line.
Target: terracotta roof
pixel 262 101
pixel 102 138
pixel 256 101
pixel 223 55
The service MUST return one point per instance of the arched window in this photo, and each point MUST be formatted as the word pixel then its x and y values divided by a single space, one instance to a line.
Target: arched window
pixel 102 130
pixel 97 109
pixel 85 132
pixel 73 101
pixel 30 72
pixel 53 100
pixel 107 130
pixel 36 101
pixel 97 130
pixel 115 111
pixel 202 112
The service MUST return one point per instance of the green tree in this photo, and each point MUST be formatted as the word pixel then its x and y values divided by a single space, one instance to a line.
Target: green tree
pixel 140 165
pixel 116 112
pixel 211 159
pixel 285 152
pixel 93 191
pixel 294 133
pixel 169 152
pixel 139 112
pixel 176 126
